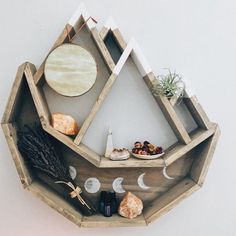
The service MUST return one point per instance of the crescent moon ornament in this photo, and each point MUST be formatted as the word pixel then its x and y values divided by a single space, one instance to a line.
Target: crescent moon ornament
pixel 141 183
pixel 164 172
pixel 92 185
pixel 73 172
pixel 117 185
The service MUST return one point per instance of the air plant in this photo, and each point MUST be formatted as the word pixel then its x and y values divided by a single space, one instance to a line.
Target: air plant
pixel 35 146
pixel 170 85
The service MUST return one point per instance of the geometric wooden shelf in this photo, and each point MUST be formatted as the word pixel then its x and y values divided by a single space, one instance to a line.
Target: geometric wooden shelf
pixel 187 160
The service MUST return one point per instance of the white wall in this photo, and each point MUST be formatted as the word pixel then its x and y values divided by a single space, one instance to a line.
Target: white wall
pixel 196 38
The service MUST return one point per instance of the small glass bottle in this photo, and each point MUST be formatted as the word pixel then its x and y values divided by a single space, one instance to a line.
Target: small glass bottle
pixel 113 201
pixel 102 201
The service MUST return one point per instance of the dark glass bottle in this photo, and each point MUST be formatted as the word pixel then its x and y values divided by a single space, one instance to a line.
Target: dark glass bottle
pixel 107 203
pixel 102 201
pixel 113 200
pixel 108 209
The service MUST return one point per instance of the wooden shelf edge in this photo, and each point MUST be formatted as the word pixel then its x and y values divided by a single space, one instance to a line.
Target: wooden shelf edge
pixel 117 36
pixel 114 221
pixel 104 32
pixel 103 49
pixel 197 138
pixel 81 149
pixel 130 163
pixel 40 104
pixel 55 202
pixel 201 164
pixel 170 199
pixel 197 112
pixel 10 135
pixel 97 105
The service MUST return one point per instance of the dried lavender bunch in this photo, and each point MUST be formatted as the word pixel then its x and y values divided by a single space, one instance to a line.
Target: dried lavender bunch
pixel 35 146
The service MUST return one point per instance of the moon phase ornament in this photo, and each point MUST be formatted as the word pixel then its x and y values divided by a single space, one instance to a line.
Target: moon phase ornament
pixel 72 172
pixel 117 185
pixel 70 70
pixel 141 183
pixel 92 185
pixel 164 172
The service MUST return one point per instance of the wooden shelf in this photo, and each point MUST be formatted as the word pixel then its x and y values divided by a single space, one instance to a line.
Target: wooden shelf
pixel 172 154
pixel 188 160
pixel 114 221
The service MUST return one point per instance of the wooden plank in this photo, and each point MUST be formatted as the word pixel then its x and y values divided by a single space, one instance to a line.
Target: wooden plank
pixel 171 155
pixel 11 137
pixel 119 39
pixel 103 49
pixel 89 154
pixel 173 101
pixel 169 112
pixel 14 95
pixel 114 221
pixel 63 37
pixel 95 108
pixel 153 177
pixel 170 199
pixel 198 137
pixel 82 150
pixel 111 27
pixel 36 92
pixel 55 202
pixel 136 53
pixel 131 162
pixel 203 158
pixel 197 112
pixel 104 32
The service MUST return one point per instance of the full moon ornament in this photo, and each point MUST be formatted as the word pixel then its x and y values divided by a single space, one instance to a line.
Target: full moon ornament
pixel 70 70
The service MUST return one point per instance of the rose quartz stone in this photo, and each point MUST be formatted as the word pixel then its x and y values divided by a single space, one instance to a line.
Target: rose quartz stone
pixel 131 206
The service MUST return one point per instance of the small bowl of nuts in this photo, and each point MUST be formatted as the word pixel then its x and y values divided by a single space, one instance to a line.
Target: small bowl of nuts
pixel 146 150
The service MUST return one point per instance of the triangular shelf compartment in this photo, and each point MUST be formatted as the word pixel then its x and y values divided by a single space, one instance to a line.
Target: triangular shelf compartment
pixel 88 38
pixel 190 101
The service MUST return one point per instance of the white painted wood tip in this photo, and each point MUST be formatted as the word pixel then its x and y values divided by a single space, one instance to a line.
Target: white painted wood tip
pixel 140 60
pixel 188 91
pixel 109 131
pixel 81 11
pixel 124 57
pixel 110 23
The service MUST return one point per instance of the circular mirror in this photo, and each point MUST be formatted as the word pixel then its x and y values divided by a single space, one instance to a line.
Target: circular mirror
pixel 70 70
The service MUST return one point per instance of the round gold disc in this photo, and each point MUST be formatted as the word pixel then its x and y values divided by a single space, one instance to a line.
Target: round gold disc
pixel 70 70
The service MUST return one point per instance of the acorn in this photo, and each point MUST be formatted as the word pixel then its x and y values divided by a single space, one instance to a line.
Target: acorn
pixel 138 144
pixel 159 150
pixel 146 143
pixel 145 148
pixel 140 151
pixel 144 153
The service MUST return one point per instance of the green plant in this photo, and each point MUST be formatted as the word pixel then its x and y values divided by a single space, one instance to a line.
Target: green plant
pixel 170 85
